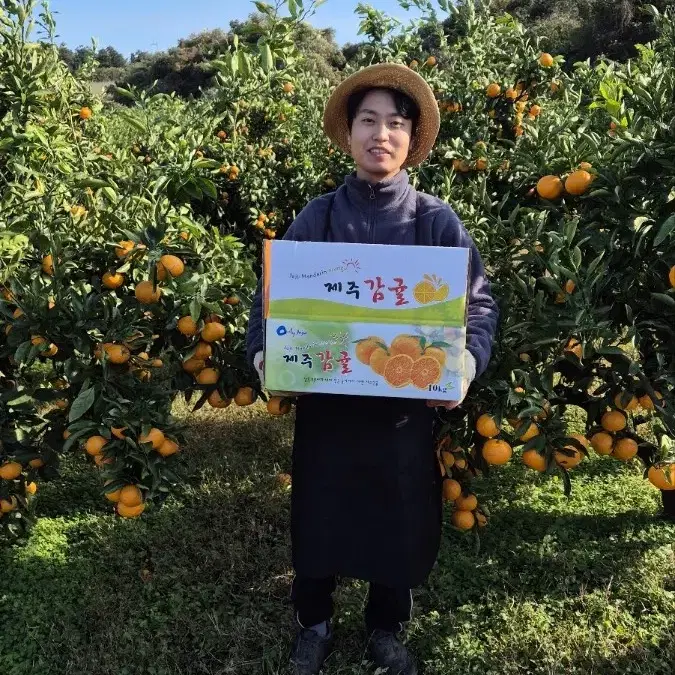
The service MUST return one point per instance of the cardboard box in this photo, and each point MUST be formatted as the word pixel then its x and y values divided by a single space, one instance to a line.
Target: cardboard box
pixel 365 319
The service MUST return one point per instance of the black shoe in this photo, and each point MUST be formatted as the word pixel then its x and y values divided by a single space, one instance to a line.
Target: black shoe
pixel 309 652
pixel 387 651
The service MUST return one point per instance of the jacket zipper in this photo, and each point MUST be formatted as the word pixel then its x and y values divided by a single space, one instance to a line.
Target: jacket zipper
pixel 371 227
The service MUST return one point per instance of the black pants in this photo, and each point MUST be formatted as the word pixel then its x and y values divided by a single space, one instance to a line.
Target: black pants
pixel 387 608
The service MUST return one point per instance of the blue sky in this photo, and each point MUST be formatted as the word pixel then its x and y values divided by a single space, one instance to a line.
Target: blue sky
pixel 132 25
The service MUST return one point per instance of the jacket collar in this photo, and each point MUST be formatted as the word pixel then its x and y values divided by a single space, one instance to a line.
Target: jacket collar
pixel 385 195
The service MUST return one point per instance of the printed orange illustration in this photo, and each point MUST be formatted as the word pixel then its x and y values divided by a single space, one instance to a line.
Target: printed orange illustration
pixel 398 370
pixel 431 289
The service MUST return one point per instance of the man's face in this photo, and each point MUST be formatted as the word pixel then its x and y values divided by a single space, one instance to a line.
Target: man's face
pixel 380 137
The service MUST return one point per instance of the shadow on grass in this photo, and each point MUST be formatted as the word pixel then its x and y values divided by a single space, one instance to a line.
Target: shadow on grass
pixel 202 585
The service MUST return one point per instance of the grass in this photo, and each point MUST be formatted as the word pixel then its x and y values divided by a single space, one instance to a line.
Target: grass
pixel 585 585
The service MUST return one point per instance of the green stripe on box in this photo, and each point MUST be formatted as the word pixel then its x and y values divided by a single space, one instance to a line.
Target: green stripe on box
pixel 450 313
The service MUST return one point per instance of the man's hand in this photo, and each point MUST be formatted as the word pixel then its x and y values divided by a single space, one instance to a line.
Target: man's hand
pixel 469 375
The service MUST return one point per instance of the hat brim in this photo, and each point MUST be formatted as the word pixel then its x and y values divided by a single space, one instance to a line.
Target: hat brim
pixel 392 76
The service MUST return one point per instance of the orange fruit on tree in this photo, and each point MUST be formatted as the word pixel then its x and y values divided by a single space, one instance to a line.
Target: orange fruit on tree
pixel 118 432
pixel 146 294
pixel 586 166
pixel 671 276
pixel 398 371
pixel 406 344
pixel 130 511
pixel 493 90
pixel 460 463
pixel 413 64
pixel 602 443
pixel 570 286
pixel 8 505
pixel 51 350
pixel 486 426
pixel 378 360
pixel 546 60
pixel 518 130
pixel 94 445
pixel 168 448
pixel 659 475
pixel 463 520
pixel 424 292
pixel 466 502
pixel 85 113
pixel 531 432
pixel 284 480
pixel 613 421
pixel 245 396
pixel 31 488
pixel 625 449
pixel 187 326
pixel 217 401
pixel 131 495
pixel 431 61
pixel 113 280
pixel 568 461
pixel 511 94
pixel 170 265
pixel 365 348
pixel 278 406
pixel 496 451
pixel 577 183
pixel 550 187
pixel 208 376
pixel 36 463
pixel 154 436
pixel 448 458
pixel 535 111
pixel 481 519
pixel 194 365
pixel 113 496
pixel 631 405
pixel 575 347
pixel 425 372
pixel 213 331
pixel 124 248
pixel 534 460
pixel 481 165
pixel 117 354
pixel 203 351
pixel 10 470
pixel 451 490
pixel 288 87
pixel 646 401
pixel 48 264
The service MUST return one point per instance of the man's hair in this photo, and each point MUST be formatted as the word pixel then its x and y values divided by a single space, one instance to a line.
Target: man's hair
pixel 406 107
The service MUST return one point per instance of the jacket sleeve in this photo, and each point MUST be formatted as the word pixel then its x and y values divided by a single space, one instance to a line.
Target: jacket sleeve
pixel 299 230
pixel 483 312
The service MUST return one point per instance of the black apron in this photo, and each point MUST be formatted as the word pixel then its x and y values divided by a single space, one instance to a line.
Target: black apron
pixel 366 500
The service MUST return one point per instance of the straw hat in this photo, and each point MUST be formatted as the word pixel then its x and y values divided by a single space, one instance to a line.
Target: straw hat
pixel 392 76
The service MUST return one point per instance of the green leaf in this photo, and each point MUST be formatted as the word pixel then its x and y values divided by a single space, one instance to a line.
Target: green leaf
pixel 266 58
pixel 665 230
pixel 82 403
pixel 665 299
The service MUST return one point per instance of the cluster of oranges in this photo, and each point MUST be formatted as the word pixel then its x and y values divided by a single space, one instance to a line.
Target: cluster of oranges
pixel 611 439
pixel 453 466
pixel 10 472
pixel 405 362
pixel 577 183
pixel 261 224
pixel 232 171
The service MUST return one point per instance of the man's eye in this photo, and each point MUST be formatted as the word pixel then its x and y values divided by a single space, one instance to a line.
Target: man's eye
pixel 367 119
